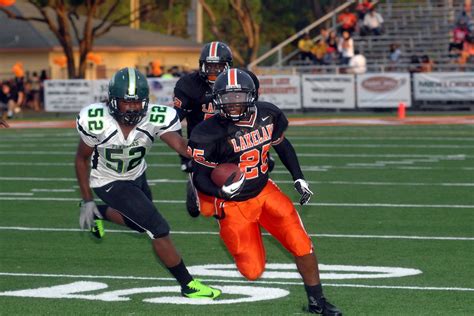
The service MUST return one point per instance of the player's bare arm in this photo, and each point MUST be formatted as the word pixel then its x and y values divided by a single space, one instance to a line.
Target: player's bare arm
pixel 83 155
pixel 3 123
pixel 175 141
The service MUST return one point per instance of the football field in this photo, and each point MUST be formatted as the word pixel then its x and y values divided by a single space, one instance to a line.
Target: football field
pixel 392 222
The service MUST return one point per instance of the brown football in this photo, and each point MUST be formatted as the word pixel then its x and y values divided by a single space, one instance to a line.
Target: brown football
pixel 223 171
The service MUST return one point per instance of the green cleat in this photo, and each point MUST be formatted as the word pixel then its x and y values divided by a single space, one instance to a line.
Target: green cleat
pixel 195 289
pixel 98 229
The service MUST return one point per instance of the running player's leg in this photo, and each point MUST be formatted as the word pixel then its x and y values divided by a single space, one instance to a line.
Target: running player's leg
pixel 243 240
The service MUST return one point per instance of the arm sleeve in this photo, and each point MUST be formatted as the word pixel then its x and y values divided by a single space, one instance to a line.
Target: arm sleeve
pixel 89 138
pixel 181 102
pixel 202 180
pixel 279 127
pixel 287 155
pixel 171 122
pixel 203 166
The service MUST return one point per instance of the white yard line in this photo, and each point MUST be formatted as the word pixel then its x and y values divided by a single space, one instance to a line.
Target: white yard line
pixel 386 205
pixel 173 181
pixel 350 236
pixel 328 155
pixel 313 145
pixel 118 277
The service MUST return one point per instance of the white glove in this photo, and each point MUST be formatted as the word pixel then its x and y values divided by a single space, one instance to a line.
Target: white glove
pixel 86 217
pixel 229 189
pixel 303 188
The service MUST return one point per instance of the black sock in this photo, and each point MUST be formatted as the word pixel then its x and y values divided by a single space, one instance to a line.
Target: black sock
pixel 102 209
pixel 181 274
pixel 314 291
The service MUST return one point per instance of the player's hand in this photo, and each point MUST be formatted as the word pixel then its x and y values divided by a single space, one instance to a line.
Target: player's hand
pixel 303 188
pixel 229 189
pixel 88 210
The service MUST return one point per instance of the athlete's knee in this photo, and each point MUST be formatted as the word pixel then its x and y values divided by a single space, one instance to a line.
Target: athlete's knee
pixel 251 270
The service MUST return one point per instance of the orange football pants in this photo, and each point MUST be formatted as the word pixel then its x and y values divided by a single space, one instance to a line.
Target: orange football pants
pixel 240 227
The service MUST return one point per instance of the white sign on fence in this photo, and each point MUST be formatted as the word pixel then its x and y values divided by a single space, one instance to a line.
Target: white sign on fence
pixel 281 90
pixel 67 95
pixel 161 90
pixel 73 95
pixel 384 90
pixel 444 86
pixel 328 91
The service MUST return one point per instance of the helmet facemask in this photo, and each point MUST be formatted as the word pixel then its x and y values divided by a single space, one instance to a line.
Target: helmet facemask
pixel 129 117
pixel 235 105
pixel 213 69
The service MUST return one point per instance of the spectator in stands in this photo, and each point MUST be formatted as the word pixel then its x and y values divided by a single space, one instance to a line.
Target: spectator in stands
pixel 332 52
pixel 395 54
pixel 458 36
pixel 373 23
pixel 304 45
pixel 468 50
pixel 347 21
pixel 362 8
pixel 414 64
pixel 358 63
pixel 319 52
pixel 464 19
pixel 426 64
pixel 346 47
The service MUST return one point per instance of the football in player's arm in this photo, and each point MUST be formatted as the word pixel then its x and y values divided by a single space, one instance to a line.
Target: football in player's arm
pixel 110 160
pixel 243 133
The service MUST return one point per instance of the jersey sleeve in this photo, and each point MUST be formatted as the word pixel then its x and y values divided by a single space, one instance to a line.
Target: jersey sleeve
pixel 202 153
pixel 90 124
pixel 181 101
pixel 280 123
pixel 164 119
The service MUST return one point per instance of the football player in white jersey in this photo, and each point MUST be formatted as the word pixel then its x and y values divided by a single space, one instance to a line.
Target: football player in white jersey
pixel 115 137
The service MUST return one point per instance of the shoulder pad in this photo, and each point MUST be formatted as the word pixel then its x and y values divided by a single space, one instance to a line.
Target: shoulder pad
pixel 161 116
pixel 191 85
pixel 267 107
pixel 208 131
pixel 94 119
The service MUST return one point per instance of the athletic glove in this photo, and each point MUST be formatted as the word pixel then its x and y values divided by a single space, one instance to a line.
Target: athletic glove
pixel 86 217
pixel 303 188
pixel 229 189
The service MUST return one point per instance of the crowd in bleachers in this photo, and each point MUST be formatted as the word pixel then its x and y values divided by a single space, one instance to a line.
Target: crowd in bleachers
pixel 336 46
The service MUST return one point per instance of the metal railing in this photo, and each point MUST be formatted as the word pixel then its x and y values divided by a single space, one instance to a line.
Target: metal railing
pixel 279 48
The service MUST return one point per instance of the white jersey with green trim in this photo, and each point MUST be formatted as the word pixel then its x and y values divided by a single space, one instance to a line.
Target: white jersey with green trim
pixel 116 158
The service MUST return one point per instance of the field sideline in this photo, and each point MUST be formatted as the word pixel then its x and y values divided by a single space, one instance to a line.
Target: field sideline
pixel 392 223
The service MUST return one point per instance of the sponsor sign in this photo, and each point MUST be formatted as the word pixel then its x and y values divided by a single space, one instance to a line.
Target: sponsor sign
pixel 383 90
pixel 281 90
pixel 444 86
pixel 161 90
pixel 67 95
pixel 328 91
pixel 72 95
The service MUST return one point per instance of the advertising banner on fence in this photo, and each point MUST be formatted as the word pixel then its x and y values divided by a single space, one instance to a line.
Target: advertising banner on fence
pixel 67 95
pixel 383 90
pixel 444 86
pixel 328 91
pixel 73 95
pixel 161 90
pixel 281 90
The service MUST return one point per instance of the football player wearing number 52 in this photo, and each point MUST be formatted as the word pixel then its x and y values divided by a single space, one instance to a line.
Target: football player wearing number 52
pixel 115 137
pixel 242 133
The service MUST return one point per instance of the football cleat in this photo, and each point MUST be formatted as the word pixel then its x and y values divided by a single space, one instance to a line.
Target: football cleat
pixel 98 229
pixel 195 289
pixel 322 307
